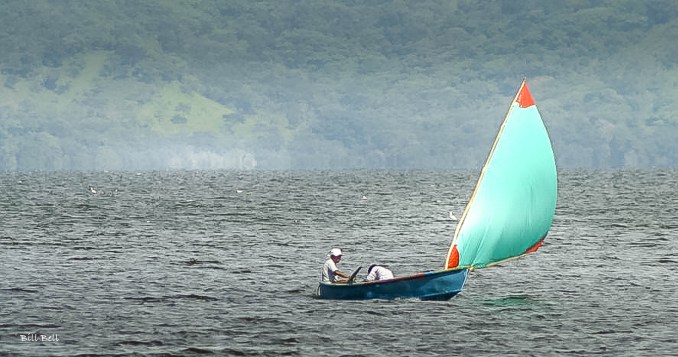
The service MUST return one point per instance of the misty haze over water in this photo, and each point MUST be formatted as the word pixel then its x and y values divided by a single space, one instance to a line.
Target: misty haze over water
pixel 279 85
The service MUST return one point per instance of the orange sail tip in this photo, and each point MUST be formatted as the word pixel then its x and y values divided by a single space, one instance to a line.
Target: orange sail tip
pixel 524 98
pixel 536 246
pixel 453 260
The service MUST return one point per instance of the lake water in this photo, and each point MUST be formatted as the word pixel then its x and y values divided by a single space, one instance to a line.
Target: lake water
pixel 225 263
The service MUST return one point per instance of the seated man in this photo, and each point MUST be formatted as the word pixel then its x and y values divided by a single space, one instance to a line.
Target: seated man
pixel 330 269
pixel 378 272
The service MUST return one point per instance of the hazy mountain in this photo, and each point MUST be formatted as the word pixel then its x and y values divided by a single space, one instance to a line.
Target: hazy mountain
pixel 93 85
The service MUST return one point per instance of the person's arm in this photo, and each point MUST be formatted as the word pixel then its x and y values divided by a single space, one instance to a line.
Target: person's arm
pixel 339 274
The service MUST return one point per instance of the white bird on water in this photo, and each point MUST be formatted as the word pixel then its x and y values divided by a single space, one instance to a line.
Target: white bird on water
pixel 92 190
pixel 452 217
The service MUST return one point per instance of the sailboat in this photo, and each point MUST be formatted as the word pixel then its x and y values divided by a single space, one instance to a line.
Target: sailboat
pixel 508 215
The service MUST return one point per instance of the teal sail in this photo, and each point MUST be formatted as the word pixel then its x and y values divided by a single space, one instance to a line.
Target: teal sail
pixel 513 204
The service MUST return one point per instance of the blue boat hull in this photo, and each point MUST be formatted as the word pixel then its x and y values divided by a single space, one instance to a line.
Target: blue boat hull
pixel 440 285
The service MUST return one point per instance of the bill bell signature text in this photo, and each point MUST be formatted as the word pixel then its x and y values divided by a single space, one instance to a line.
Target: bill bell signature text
pixel 34 337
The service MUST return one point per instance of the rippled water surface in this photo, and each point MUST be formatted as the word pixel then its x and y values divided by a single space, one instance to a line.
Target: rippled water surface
pixel 225 263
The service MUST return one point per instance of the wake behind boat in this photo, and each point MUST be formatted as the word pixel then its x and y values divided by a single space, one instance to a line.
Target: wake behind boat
pixel 508 215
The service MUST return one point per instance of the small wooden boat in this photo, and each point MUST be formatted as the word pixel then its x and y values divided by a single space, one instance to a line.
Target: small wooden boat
pixel 440 285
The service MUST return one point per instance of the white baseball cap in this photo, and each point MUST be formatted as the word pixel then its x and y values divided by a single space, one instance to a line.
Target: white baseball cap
pixel 336 252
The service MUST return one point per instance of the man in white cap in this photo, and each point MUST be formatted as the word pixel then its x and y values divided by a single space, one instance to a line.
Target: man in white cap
pixel 330 272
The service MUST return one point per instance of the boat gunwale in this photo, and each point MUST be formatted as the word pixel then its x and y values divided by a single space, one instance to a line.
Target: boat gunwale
pixel 398 279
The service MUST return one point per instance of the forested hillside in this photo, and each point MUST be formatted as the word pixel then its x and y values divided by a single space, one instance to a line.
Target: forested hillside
pixel 279 84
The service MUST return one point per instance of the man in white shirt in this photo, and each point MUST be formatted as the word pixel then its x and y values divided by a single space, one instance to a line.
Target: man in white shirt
pixel 330 271
pixel 378 272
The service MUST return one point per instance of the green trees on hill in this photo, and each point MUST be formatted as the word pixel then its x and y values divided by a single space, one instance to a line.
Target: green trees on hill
pixel 326 84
